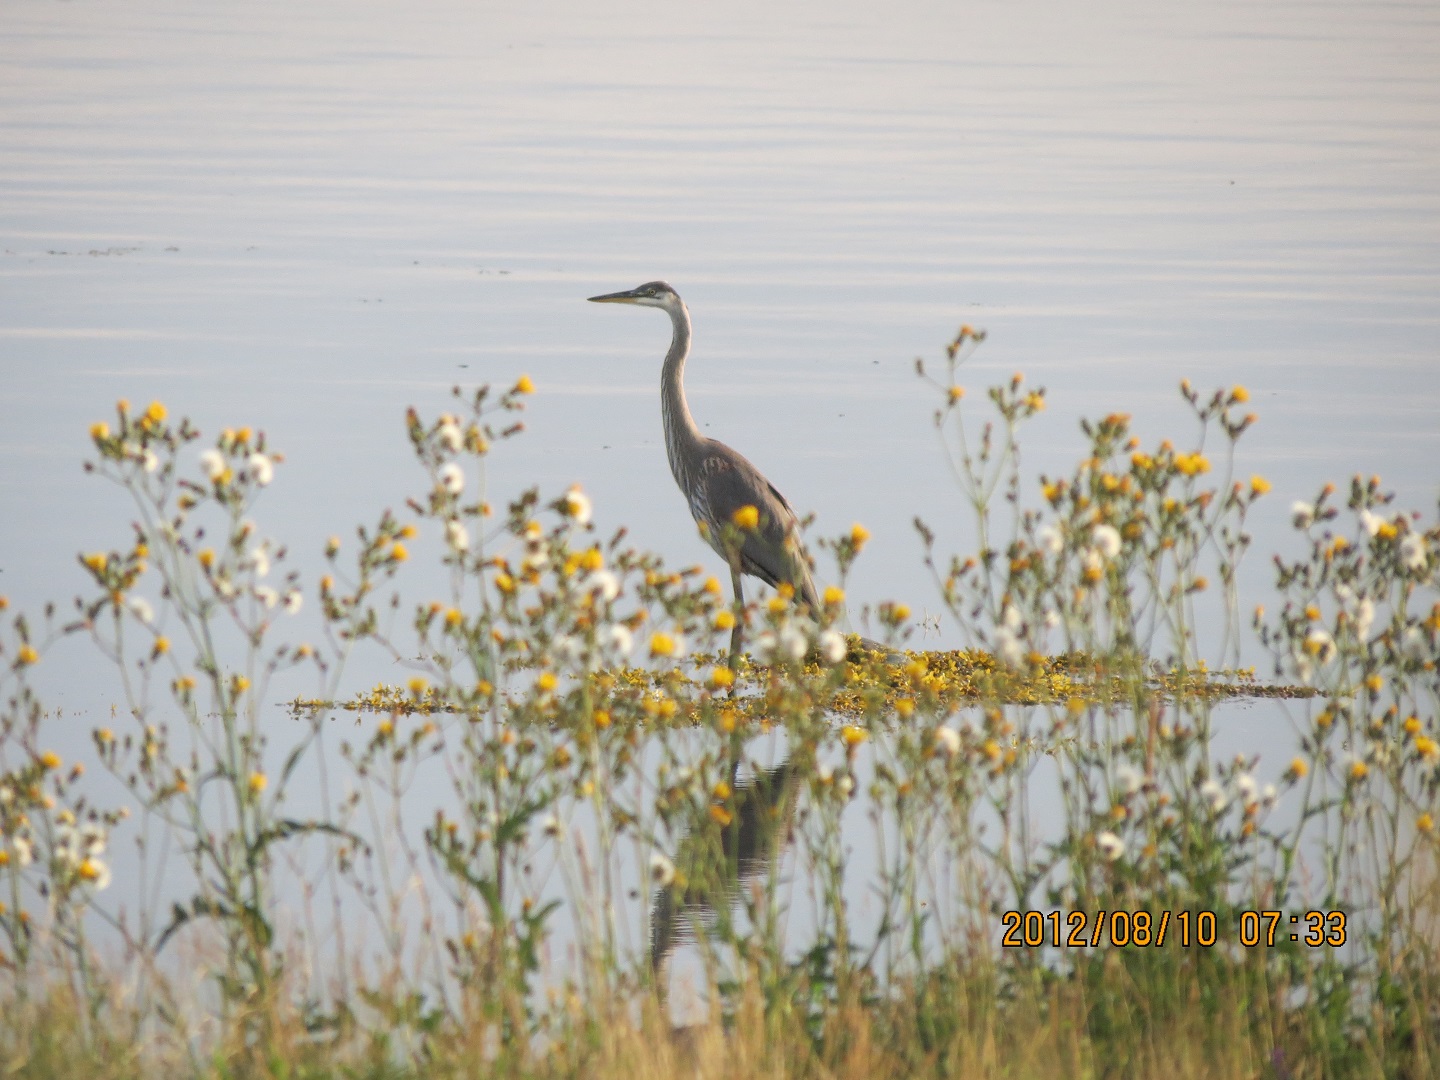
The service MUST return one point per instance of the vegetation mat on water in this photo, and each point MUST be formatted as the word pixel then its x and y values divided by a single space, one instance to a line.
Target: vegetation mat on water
pixel 954 677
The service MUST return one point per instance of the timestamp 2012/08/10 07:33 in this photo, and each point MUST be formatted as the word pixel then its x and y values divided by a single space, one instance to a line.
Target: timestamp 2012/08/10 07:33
pixel 1252 929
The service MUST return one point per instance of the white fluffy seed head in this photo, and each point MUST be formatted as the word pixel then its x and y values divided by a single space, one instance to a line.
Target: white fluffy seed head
pixel 1111 847
pixel 261 468
pixel 451 477
pixel 1106 539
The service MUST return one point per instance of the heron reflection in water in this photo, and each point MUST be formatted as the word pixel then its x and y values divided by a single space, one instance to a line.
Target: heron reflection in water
pixel 715 863
pixel 718 482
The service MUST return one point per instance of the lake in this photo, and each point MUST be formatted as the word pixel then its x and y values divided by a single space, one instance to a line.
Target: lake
pixel 305 220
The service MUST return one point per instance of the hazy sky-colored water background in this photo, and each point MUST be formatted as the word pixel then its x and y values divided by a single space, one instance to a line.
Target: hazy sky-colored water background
pixel 306 218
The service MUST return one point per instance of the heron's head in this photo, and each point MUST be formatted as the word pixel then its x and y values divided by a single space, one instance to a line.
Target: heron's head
pixel 651 294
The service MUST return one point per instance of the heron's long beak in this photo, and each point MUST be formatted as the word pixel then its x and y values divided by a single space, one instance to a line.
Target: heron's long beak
pixel 629 296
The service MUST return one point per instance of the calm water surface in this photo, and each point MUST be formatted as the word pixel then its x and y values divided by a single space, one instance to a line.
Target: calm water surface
pixel 306 220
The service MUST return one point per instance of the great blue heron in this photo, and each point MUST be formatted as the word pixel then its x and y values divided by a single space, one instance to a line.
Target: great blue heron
pixel 718 481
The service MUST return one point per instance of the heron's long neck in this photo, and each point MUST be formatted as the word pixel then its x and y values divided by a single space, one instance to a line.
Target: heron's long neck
pixel 682 438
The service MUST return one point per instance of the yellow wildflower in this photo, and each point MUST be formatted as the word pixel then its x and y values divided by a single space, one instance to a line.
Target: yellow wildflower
pixel 852 735
pixel 1259 485
pixel 258 782
pixel 724 620
pixel 99 431
pixel 1298 768
pixel 1239 395
pixel 661 644
pixel 523 385
pixel 546 682
pixel 27 655
pixel 1425 823
pixel 206 558
pixel 50 760
pixel 722 816
pixel 398 552
pixel 834 595
pixel 1359 770
pixel 1192 464
pixel 417 686
pixel 747 518
pixel 858 535
pixel 1427 748
pixel 721 677
pixel 156 413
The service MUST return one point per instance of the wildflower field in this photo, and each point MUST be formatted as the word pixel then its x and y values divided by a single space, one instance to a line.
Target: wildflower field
pixel 578 841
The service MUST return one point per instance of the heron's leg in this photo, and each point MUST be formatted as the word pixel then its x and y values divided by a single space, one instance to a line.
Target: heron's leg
pixel 737 631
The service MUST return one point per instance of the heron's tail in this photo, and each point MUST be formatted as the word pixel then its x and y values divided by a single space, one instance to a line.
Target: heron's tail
pixel 809 597
pixel 805 591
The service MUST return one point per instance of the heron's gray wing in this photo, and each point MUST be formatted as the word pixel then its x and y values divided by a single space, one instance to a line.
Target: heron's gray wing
pixel 772 552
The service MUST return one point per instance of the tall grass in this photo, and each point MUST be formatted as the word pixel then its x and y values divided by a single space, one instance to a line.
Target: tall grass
pixel 509 864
